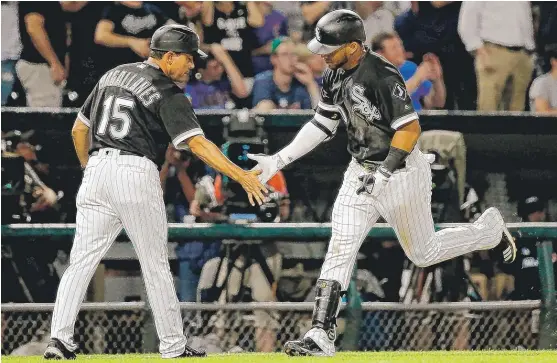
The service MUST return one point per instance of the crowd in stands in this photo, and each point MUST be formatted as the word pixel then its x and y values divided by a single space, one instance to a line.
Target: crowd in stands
pixel 453 55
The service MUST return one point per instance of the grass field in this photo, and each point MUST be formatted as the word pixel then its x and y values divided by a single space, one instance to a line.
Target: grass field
pixel 358 357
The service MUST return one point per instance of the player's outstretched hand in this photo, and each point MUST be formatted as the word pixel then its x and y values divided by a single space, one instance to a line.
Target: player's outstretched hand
pixel 373 184
pixel 269 165
pixel 251 184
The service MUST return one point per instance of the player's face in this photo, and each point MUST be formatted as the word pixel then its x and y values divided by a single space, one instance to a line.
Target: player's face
pixel 336 59
pixel 179 66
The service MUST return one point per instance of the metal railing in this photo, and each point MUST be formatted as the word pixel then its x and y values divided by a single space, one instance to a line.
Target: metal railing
pixel 122 327
pixel 273 231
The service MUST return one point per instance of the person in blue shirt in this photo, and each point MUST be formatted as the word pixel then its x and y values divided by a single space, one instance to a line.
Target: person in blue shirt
pixel 219 82
pixel 275 26
pixel 424 82
pixel 290 85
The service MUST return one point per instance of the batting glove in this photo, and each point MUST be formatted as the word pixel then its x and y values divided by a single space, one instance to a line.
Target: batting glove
pixel 268 164
pixel 373 184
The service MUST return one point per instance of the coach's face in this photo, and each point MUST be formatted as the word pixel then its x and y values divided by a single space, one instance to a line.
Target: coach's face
pixel 178 66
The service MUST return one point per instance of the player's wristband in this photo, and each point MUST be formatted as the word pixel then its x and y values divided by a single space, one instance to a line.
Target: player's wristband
pixel 394 159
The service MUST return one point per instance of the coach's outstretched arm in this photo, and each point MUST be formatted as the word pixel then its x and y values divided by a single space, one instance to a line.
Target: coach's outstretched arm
pixel 308 138
pixel 210 154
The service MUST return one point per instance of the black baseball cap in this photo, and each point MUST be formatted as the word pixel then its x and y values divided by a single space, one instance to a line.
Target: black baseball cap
pixel 530 205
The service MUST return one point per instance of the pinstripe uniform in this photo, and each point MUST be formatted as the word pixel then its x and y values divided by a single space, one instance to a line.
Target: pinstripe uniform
pixel 373 102
pixel 133 112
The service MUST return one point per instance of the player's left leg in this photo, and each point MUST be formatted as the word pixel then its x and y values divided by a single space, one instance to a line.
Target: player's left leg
pixel 353 217
pixel 139 204
pixel 406 205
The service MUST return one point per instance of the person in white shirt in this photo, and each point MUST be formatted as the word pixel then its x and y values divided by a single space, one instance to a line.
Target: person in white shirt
pixel 377 19
pixel 499 34
pixel 543 92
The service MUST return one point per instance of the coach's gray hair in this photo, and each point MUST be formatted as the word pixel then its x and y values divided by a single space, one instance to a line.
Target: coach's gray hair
pixel 157 54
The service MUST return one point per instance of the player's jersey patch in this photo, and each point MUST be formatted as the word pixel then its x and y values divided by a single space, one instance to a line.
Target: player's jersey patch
pixel 399 91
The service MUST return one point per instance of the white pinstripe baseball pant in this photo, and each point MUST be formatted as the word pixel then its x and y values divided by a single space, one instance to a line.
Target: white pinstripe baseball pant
pixel 405 203
pixel 120 191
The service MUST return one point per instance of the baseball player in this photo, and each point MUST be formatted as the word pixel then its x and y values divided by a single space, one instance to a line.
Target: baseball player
pixel 120 136
pixel 388 175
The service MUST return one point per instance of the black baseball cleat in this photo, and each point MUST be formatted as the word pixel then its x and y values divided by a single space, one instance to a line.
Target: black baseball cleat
pixel 56 350
pixel 507 246
pixel 190 352
pixel 304 347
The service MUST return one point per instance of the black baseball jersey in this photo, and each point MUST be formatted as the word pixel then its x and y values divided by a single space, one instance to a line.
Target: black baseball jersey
pixel 372 101
pixel 136 108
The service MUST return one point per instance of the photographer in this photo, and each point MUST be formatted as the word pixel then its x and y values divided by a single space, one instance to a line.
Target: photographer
pixel 525 268
pixel 37 202
pixel 245 279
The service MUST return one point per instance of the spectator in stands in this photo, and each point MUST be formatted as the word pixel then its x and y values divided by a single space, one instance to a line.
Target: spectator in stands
pixel 214 89
pixel 11 47
pixel 289 85
pixel 233 24
pixel 294 18
pixel 315 62
pixel 377 19
pixel 85 66
pixel 424 82
pixel 546 31
pixel 42 65
pixel 431 27
pixel 543 92
pixel 274 27
pixel 312 11
pixel 500 37
pixel 126 28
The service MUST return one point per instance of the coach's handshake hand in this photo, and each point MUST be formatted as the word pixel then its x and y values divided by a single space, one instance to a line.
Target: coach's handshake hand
pixel 373 184
pixel 268 165
pixel 251 184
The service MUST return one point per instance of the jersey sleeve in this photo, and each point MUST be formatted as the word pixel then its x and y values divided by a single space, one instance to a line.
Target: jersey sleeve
pixel 395 103
pixel 179 119
pixel 85 112
pixel 327 115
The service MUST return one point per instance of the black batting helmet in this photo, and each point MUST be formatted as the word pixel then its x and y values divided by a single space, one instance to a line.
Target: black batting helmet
pixel 335 29
pixel 176 38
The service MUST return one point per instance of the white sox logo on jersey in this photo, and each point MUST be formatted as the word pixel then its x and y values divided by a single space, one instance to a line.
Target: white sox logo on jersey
pixel 362 106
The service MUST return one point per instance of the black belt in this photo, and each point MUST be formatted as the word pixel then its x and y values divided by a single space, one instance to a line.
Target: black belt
pixel 372 166
pixel 108 152
pixel 512 49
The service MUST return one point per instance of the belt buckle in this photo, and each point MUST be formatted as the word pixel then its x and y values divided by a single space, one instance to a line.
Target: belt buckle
pixel 369 166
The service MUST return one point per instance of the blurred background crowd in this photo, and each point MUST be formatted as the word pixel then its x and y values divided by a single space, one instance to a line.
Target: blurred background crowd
pixel 457 56
pixel 484 56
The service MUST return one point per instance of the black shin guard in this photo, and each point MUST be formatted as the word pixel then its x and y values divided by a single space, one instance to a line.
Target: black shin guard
pixel 327 300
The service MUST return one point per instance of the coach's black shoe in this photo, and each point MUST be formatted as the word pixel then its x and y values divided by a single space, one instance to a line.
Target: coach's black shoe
pixel 56 350
pixel 190 352
pixel 507 247
pixel 304 347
